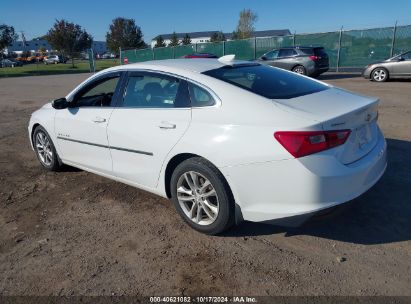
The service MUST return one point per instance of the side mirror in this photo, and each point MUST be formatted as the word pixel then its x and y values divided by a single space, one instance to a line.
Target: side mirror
pixel 263 57
pixel 60 103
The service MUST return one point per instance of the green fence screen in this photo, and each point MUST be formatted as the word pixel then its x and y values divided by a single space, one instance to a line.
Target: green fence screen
pixel 346 49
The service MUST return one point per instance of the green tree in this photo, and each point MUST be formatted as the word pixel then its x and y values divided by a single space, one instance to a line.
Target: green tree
pixel 186 40
pixel 7 36
pixel 69 38
pixel 159 42
pixel 124 33
pixel 217 37
pixel 174 40
pixel 245 26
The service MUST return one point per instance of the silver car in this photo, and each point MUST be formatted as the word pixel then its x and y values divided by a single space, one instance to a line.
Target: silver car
pixel 396 67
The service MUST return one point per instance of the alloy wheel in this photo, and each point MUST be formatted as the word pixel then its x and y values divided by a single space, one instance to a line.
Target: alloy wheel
pixel 197 198
pixel 299 70
pixel 379 75
pixel 44 149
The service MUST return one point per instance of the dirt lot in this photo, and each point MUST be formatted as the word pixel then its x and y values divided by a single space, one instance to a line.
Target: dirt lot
pixel 74 233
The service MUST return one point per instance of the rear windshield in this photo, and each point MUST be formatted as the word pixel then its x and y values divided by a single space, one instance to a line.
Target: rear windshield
pixel 320 52
pixel 267 81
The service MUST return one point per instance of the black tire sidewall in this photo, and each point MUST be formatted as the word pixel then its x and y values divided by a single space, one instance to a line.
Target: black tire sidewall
pixel 55 162
pixel 225 214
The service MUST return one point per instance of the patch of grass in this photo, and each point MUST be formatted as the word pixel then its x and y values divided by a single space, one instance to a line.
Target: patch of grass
pixel 34 69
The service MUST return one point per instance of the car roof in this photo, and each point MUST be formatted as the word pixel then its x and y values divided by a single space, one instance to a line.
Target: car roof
pixel 199 65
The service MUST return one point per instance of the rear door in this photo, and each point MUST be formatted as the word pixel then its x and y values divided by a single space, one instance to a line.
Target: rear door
pixel 287 59
pixel 153 115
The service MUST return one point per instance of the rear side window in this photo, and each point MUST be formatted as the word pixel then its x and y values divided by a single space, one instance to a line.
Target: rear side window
pixel 287 53
pixel 267 81
pixel 200 97
pixel 307 51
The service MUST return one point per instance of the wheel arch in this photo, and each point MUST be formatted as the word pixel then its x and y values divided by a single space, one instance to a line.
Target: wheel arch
pixel 380 67
pixel 32 132
pixel 178 159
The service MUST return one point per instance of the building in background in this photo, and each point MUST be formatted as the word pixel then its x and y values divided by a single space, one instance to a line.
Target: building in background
pixel 34 46
pixel 201 37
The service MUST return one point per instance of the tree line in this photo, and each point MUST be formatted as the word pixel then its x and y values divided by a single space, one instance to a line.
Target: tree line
pixel 71 39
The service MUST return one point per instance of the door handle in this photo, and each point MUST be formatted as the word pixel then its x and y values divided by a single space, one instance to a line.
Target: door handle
pixel 166 125
pixel 99 119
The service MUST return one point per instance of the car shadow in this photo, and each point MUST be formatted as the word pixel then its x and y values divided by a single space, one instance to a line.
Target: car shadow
pixel 335 75
pixel 381 215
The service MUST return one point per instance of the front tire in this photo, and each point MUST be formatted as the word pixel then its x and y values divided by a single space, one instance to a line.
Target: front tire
pixel 379 75
pixel 45 150
pixel 299 69
pixel 202 196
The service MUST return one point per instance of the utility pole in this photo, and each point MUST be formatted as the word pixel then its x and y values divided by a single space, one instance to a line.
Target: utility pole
pixel 23 38
pixel 393 39
pixel 339 49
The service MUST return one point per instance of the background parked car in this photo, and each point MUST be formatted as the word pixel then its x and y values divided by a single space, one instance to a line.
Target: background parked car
pixel 396 67
pixel 54 59
pixel 311 61
pixel 108 56
pixel 200 55
pixel 6 63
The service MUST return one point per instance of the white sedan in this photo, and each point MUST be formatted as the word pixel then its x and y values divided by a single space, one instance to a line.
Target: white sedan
pixel 226 140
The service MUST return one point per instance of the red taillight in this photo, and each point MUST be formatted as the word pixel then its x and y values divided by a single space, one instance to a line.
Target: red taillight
pixel 314 58
pixel 308 142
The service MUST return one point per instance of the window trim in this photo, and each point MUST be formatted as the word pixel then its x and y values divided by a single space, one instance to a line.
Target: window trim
pixel 217 100
pixel 114 101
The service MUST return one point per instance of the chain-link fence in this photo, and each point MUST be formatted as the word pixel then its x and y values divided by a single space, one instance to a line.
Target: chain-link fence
pixel 346 48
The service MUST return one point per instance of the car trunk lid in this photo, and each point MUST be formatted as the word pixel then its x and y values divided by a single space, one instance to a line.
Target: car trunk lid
pixel 338 109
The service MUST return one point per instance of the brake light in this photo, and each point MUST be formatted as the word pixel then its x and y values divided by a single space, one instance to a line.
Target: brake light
pixel 304 143
pixel 312 57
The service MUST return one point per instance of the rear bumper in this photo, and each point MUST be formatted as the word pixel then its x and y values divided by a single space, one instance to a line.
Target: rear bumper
pixel 290 190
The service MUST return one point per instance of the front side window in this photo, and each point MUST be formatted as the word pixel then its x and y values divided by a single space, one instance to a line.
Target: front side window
pixel 155 91
pixel 407 56
pixel 267 81
pixel 272 55
pixel 98 94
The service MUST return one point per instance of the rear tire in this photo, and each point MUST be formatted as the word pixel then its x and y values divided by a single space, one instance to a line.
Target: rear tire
pixel 379 75
pixel 299 69
pixel 45 151
pixel 202 196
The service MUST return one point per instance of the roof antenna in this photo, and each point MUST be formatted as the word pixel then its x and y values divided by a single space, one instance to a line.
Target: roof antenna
pixel 227 58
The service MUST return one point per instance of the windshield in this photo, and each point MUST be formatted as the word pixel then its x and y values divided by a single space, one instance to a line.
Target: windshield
pixel 267 81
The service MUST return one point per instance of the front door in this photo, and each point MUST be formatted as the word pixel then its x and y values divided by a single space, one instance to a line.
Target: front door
pixel 403 68
pixel 82 128
pixel 154 114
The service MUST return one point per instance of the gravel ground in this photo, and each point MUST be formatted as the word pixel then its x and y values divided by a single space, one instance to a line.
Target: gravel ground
pixel 74 233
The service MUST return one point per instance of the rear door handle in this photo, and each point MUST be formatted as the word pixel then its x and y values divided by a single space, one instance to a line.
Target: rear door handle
pixel 167 125
pixel 99 119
